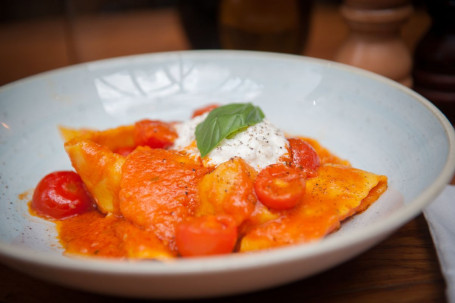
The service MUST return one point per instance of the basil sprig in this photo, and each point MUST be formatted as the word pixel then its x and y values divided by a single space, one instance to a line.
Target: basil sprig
pixel 223 122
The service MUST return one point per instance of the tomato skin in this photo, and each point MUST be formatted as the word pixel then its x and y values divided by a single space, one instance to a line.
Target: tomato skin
pixel 154 133
pixel 60 195
pixel 280 187
pixel 203 110
pixel 304 156
pixel 206 235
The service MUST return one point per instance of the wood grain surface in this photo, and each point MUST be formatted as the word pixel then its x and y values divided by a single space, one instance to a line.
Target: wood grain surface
pixel 403 268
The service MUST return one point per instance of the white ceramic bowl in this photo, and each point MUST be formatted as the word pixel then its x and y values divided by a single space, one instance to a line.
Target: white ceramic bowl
pixel 377 124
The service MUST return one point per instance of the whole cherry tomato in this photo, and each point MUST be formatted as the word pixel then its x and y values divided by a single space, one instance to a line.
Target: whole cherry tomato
pixel 207 235
pixel 304 156
pixel 154 133
pixel 60 195
pixel 280 187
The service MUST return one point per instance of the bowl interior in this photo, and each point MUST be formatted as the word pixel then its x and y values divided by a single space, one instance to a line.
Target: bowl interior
pixel 378 125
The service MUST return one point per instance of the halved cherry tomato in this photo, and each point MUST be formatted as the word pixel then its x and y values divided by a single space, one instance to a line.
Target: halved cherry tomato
pixel 60 195
pixel 304 156
pixel 207 235
pixel 279 186
pixel 204 110
pixel 153 133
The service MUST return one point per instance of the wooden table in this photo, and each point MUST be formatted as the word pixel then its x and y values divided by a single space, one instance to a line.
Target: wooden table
pixel 403 268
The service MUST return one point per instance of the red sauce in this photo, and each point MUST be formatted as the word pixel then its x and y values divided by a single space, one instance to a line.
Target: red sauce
pixel 158 189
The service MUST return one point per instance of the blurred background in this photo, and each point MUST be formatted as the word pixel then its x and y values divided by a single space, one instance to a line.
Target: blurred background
pixel 37 36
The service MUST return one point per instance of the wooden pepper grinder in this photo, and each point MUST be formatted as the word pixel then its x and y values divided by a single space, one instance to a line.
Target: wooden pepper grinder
pixel 434 59
pixel 375 41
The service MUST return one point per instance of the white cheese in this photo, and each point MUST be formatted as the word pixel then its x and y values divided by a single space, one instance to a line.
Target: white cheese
pixel 186 133
pixel 259 145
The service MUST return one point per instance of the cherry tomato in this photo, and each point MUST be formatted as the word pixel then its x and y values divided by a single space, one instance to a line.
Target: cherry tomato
pixel 60 195
pixel 207 235
pixel 279 186
pixel 204 110
pixel 304 156
pixel 153 133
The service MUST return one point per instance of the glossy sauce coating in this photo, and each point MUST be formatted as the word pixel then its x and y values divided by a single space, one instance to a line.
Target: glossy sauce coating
pixel 148 193
pixel 158 190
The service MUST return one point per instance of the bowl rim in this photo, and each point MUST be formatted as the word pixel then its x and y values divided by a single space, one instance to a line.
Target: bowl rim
pixel 243 261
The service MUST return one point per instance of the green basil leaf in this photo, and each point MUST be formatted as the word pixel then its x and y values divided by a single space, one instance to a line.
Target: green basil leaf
pixel 223 122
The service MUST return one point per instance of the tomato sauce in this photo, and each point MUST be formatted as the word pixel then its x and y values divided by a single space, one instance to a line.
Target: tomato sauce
pixel 156 203
pixel 94 234
pixel 159 189
pixel 91 234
